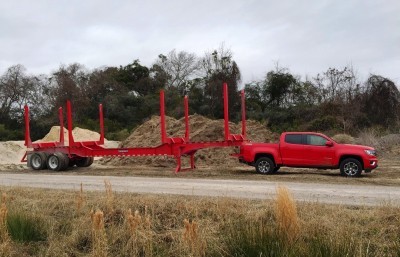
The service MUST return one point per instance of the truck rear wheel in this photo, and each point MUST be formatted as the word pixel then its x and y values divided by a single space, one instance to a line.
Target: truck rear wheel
pixel 265 165
pixel 58 161
pixel 350 167
pixel 38 160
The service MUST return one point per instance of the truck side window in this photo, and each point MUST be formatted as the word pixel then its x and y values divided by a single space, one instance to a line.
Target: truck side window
pixel 315 140
pixel 293 139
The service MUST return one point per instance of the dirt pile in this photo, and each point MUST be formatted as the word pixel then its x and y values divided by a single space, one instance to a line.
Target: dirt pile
pixel 11 152
pixel 79 134
pixel 201 129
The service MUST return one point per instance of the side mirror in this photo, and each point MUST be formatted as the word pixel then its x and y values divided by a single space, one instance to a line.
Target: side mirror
pixel 329 143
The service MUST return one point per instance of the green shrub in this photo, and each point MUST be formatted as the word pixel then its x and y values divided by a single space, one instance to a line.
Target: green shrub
pixel 23 227
pixel 324 123
pixel 10 134
pixel 119 135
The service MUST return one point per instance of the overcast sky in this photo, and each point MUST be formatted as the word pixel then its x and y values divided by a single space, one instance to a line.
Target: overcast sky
pixel 305 36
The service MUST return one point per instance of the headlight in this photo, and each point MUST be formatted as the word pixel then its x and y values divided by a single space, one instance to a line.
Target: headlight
pixel 370 152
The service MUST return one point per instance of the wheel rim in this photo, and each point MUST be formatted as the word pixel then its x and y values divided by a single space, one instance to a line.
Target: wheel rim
pixel 53 162
pixel 264 167
pixel 36 161
pixel 351 168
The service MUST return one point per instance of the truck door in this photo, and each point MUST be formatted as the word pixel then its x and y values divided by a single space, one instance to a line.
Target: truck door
pixel 292 150
pixel 316 153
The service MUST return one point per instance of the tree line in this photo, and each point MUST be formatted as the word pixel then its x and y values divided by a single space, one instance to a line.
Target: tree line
pixel 334 100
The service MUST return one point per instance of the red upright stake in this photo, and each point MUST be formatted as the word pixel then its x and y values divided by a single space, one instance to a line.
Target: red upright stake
pixel 69 120
pixel 101 124
pixel 28 141
pixel 243 114
pixel 226 117
pixel 162 117
pixel 60 115
pixel 187 130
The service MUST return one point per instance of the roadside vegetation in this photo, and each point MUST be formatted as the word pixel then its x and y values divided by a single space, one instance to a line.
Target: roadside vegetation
pixel 333 101
pixel 36 222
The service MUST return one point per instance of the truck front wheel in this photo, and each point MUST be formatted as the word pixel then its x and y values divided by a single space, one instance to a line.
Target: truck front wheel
pixel 265 165
pixel 350 167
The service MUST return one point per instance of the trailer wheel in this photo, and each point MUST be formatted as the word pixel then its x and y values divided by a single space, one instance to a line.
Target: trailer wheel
pixel 58 161
pixel 84 162
pixel 71 162
pixel 265 165
pixel 38 160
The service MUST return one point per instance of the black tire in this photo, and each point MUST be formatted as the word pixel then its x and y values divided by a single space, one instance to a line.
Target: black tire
pixel 84 162
pixel 58 161
pixel 38 161
pixel 350 167
pixel 265 165
pixel 71 163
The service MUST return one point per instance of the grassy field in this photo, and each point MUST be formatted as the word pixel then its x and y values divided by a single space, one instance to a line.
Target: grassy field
pixel 66 223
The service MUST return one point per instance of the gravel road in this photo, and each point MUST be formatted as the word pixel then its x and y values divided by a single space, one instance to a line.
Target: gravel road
pixel 324 193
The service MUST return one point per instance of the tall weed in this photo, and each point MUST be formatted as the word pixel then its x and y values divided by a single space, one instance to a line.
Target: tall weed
pixel 286 217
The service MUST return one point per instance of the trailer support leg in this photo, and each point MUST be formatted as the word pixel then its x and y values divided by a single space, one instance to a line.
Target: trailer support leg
pixel 192 164
pixel 178 164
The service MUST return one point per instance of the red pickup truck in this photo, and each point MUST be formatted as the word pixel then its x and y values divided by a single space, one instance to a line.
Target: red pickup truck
pixel 309 150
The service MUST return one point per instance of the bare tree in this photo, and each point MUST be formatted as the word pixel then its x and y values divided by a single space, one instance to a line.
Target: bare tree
pixel 218 67
pixel 181 67
pixel 18 89
pixel 70 83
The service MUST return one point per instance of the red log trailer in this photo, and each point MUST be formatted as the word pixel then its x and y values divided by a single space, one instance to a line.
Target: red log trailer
pixel 58 156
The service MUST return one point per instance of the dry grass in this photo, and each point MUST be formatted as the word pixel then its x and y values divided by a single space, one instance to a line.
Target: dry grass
pixel 286 215
pixel 80 199
pixel 141 235
pixel 109 196
pixel 5 242
pixel 213 226
pixel 99 237
pixel 195 246
pixel 3 218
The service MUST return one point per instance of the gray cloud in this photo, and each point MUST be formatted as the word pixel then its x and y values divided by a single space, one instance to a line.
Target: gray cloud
pixel 306 36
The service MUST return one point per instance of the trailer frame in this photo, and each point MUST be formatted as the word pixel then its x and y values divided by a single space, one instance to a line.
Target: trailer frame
pixel 83 152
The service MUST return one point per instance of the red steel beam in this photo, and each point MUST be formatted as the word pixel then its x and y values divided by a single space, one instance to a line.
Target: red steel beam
pixel 28 141
pixel 101 118
pixel 60 115
pixel 162 118
pixel 226 114
pixel 187 129
pixel 69 120
pixel 243 114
